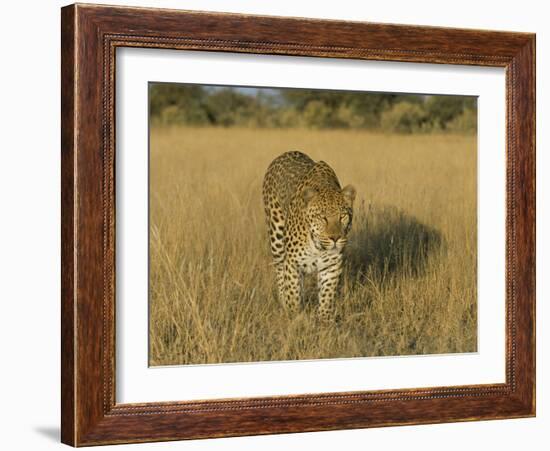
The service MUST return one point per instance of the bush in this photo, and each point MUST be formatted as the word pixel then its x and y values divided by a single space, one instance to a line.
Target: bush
pixel 317 115
pixel 444 109
pixel 171 115
pixel 404 117
pixel 464 123
pixel 347 117
pixel 179 115
pixel 172 103
pixel 288 118
pixel 227 107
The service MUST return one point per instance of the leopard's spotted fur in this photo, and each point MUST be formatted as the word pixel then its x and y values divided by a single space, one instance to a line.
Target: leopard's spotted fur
pixel 309 216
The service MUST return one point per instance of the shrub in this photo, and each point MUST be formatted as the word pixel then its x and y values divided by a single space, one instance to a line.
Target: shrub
pixel 317 115
pixel 347 117
pixel 404 117
pixel 444 109
pixel 464 123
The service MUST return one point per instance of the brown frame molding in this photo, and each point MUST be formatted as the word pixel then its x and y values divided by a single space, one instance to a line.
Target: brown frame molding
pixel 90 35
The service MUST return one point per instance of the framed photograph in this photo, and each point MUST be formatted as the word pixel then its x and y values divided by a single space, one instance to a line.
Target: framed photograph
pixel 279 225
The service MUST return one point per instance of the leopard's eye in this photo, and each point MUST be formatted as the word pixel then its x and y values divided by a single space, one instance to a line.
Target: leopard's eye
pixel 325 220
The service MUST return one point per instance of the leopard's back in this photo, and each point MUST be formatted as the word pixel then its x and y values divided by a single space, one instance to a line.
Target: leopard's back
pixel 283 176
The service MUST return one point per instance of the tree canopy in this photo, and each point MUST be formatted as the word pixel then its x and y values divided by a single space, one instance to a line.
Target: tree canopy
pixel 196 105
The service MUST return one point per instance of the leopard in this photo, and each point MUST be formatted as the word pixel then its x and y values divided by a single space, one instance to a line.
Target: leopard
pixel 309 217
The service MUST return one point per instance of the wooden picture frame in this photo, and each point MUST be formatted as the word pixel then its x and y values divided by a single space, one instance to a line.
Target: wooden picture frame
pixel 90 36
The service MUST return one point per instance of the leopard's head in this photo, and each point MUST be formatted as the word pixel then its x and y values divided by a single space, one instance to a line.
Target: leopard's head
pixel 329 214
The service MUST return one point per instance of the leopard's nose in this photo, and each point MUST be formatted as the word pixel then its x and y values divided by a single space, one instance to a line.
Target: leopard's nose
pixel 334 237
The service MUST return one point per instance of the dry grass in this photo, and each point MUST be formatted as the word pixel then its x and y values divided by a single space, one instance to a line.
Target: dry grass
pixel 409 285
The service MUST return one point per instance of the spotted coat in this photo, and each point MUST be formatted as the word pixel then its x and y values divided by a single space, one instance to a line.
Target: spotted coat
pixel 308 216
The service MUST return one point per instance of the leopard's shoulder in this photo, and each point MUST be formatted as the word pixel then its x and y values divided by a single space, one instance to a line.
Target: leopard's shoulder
pixel 285 174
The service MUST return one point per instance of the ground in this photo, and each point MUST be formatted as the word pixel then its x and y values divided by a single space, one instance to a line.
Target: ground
pixel 409 283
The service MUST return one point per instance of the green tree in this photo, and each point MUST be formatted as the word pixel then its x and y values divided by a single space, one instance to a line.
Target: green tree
pixel 172 103
pixel 176 103
pixel 228 107
pixel 404 117
pixel 443 109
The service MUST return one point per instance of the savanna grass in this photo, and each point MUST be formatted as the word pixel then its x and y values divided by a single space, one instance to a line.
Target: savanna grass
pixel 409 284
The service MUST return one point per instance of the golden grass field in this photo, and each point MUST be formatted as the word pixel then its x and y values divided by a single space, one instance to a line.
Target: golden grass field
pixel 409 284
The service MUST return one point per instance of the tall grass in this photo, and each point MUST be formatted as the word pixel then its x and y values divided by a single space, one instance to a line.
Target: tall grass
pixel 409 284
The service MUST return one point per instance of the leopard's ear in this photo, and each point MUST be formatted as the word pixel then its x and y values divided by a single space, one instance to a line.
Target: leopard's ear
pixel 308 193
pixel 349 194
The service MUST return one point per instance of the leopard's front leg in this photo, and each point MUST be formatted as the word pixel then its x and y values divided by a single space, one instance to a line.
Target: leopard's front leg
pixel 292 286
pixel 328 279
